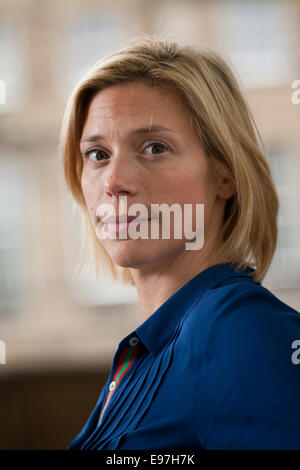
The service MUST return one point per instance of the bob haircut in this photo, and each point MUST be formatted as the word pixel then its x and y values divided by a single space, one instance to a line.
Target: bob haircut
pixel 227 132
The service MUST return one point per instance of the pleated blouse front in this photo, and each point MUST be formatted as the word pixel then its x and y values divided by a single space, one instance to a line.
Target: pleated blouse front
pixel 172 380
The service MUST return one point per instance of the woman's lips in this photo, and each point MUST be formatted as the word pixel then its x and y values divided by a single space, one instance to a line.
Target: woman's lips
pixel 120 227
pixel 120 218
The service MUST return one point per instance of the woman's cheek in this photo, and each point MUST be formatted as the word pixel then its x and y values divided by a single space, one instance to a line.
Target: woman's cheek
pixel 179 184
pixel 88 190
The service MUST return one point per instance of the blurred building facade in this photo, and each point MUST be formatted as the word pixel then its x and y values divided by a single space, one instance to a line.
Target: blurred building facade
pixel 48 320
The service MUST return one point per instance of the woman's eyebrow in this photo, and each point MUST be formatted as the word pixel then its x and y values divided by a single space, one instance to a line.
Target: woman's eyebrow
pixel 140 130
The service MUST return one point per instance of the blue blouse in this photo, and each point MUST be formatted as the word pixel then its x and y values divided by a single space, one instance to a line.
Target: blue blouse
pixel 217 368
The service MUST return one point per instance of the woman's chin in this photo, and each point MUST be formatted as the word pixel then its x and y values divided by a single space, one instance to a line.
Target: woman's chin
pixel 131 256
pixel 142 253
pixel 128 261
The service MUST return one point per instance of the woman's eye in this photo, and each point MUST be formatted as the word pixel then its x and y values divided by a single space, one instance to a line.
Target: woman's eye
pixel 95 155
pixel 158 147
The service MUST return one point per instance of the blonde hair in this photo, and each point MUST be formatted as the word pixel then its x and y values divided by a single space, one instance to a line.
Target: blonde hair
pixel 227 131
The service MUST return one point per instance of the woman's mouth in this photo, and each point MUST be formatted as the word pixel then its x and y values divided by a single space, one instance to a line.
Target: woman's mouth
pixel 123 227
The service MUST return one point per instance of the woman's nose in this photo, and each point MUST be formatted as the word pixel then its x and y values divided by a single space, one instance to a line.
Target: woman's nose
pixel 120 177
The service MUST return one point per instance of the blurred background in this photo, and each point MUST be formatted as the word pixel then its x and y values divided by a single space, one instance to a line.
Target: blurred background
pixel 61 332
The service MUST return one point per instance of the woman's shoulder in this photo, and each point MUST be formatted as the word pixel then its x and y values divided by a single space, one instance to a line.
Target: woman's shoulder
pixel 246 328
pixel 245 296
pixel 243 308
pixel 249 383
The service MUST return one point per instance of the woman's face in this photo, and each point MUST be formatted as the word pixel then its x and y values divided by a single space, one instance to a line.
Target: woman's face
pixel 141 144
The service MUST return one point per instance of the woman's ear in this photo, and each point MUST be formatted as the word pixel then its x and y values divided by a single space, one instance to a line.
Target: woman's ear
pixel 226 188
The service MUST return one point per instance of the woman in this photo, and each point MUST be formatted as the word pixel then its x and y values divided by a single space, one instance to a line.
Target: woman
pixel 210 366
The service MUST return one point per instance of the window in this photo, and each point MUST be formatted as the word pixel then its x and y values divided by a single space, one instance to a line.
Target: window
pixel 16 212
pixel 258 37
pixel 285 269
pixel 87 37
pixel 13 66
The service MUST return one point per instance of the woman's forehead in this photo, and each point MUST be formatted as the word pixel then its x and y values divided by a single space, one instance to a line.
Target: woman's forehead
pixel 136 101
pixel 133 94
